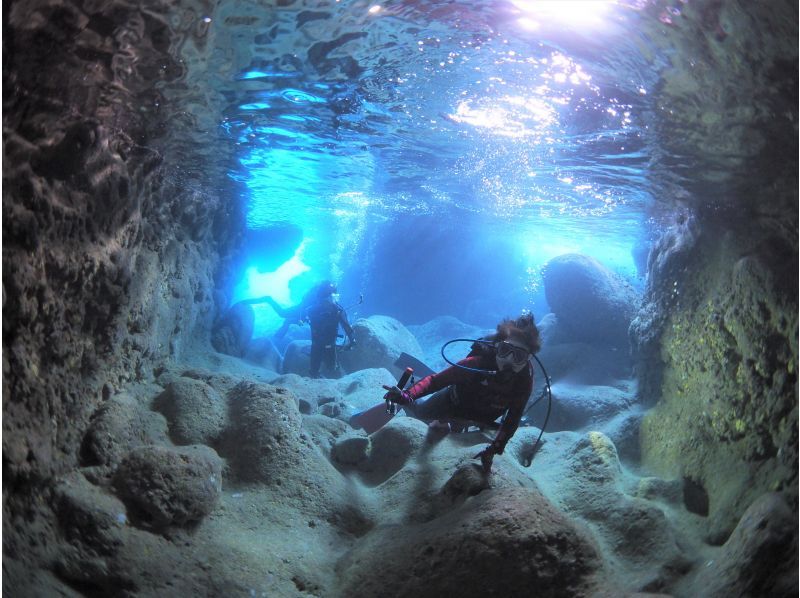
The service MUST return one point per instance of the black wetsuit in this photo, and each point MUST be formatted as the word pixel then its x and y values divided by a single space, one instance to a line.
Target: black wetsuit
pixel 324 317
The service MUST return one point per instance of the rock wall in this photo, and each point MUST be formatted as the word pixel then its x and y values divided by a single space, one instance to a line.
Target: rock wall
pixel 108 261
pixel 717 349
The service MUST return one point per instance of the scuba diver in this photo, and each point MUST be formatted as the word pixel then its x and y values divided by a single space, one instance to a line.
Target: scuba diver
pixel 325 315
pixel 495 379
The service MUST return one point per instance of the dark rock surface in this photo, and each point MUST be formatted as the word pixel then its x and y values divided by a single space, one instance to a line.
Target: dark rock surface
pixel 513 539
pixel 166 487
pixel 232 332
pixel 196 413
pixel 265 427
pixel 120 424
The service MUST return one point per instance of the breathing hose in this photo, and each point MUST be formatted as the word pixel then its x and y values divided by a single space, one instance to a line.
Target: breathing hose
pixel 528 459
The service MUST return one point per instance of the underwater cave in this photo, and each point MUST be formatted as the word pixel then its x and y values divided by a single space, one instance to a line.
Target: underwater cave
pixel 187 184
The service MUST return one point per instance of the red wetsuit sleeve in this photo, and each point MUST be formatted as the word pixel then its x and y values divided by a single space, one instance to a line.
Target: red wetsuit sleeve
pixel 514 414
pixel 440 380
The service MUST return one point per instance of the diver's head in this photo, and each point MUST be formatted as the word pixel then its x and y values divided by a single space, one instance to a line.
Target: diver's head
pixel 515 342
pixel 325 289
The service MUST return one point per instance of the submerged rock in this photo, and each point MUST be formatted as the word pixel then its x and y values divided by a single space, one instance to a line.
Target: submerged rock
pixel 195 411
pixel 577 406
pixel 592 303
pixel 508 542
pixel 120 425
pixel 232 332
pixel 166 487
pixel 89 517
pixel 380 340
pixel 759 558
pixel 263 438
pixel 296 359
pixel 263 352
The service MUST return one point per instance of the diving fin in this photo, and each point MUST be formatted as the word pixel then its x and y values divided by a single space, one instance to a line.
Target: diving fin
pixel 409 361
pixel 374 418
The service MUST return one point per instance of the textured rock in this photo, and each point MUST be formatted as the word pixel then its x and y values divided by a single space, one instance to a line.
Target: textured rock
pixel 727 414
pixel 636 532
pixel 592 303
pixel 576 406
pixel 309 392
pixel 379 457
pixel 584 363
pixel 505 542
pixel 196 413
pixel 264 437
pixel 166 487
pixel 89 516
pixel 338 398
pixel 232 332
pixel 120 425
pixel 759 558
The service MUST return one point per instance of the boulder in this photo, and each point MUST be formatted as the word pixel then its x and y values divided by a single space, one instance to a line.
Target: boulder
pixel 379 342
pixel 296 359
pixel 383 454
pixel 636 531
pixel 433 334
pixel 309 393
pixel 88 515
pixel 119 425
pixel 263 438
pixel 759 558
pixel 362 389
pixel 577 406
pixel 504 542
pixel 584 363
pixel 169 487
pixel 195 411
pixel 592 303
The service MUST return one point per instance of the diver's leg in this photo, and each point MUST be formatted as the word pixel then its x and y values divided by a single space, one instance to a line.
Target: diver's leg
pixel 438 406
pixel 328 358
pixel 315 359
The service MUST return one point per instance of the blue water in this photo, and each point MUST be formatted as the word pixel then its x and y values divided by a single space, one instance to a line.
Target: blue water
pixel 434 156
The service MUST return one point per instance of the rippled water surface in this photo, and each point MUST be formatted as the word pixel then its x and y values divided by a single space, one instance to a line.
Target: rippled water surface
pixel 567 126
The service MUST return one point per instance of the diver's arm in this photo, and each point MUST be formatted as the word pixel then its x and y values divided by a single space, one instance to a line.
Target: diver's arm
pixel 508 427
pixel 348 330
pixel 440 380
pixel 514 415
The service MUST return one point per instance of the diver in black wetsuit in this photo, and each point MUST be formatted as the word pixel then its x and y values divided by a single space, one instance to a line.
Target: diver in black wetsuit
pixel 325 315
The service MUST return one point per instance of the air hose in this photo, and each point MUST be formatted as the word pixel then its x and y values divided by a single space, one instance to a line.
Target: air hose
pixel 546 390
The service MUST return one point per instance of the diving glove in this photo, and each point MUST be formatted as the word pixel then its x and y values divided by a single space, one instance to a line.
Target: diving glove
pixel 395 395
pixel 486 456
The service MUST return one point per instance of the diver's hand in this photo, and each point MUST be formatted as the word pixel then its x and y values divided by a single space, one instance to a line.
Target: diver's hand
pixel 395 395
pixel 486 456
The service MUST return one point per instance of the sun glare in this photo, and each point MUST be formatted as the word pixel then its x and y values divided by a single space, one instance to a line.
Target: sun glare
pixel 579 14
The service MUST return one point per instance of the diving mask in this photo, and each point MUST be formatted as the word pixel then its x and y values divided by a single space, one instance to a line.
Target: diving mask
pixel 510 356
